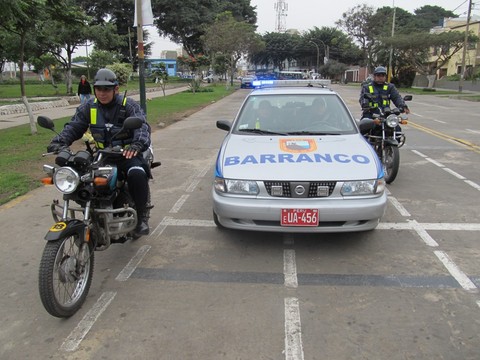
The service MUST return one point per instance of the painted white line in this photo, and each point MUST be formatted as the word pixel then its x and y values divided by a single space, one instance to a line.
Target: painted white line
pixel 473 131
pixel 175 208
pixel 439 121
pixel 293 330
pixel 435 162
pixel 168 221
pixel 73 340
pixel 432 105
pixel 400 208
pixel 473 184
pixel 290 268
pixel 419 153
pixel 427 239
pixel 451 226
pixel 457 175
pixel 193 185
pixel 478 303
pixel 453 269
pixel 128 270
pixel 203 172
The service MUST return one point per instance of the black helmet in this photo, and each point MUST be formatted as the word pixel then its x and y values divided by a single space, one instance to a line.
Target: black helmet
pixel 380 70
pixel 105 77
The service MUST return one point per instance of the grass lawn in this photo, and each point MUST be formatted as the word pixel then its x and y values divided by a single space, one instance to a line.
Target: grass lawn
pixel 22 161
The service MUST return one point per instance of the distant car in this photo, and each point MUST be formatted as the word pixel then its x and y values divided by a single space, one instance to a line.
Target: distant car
pixel 294 161
pixel 247 82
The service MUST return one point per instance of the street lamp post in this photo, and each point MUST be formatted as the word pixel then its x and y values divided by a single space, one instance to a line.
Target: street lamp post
pixel 318 55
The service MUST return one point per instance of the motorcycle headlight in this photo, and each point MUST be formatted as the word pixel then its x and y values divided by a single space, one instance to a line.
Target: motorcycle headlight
pixel 363 187
pixel 392 121
pixel 239 187
pixel 66 180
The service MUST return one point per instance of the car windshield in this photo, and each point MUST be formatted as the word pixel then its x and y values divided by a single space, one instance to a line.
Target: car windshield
pixel 298 114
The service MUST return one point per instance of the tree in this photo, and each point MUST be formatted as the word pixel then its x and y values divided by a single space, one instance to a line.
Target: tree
pixel 185 21
pixel 231 38
pixel 429 16
pixel 417 50
pixel 21 18
pixel 357 23
pixel 278 48
pixel 194 64
pixel 161 75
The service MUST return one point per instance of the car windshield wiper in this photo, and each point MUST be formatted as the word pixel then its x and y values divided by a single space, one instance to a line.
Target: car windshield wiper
pixel 262 132
pixel 311 133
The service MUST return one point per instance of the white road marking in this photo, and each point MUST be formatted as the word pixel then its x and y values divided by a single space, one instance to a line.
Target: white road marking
pixel 293 330
pixel 473 184
pixel 72 342
pixel 457 175
pixel 177 206
pixel 400 208
pixel 290 268
pixel 193 185
pixel 435 162
pixel 419 153
pixel 453 269
pixel 128 270
pixel 427 239
pixel 473 131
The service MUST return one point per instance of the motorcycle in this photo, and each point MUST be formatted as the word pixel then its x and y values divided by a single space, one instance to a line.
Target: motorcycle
pixel 97 211
pixel 383 132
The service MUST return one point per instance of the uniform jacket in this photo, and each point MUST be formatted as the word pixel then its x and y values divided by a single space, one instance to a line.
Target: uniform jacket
pixel 383 94
pixel 81 121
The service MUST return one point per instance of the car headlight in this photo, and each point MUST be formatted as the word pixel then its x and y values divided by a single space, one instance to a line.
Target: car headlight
pixel 239 187
pixel 392 120
pixel 66 180
pixel 363 187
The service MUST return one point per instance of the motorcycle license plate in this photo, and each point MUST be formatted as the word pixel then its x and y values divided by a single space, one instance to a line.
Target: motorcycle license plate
pixel 299 217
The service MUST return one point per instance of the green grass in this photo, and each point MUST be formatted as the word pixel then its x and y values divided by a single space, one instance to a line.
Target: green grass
pixel 21 162
pixel 46 89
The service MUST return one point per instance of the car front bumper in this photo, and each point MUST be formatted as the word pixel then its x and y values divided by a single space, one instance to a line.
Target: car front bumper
pixel 336 215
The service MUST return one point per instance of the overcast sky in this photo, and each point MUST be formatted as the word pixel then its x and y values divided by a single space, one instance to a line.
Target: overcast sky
pixel 304 15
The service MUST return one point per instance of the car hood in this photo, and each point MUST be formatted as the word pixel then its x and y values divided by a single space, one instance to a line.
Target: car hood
pixel 303 158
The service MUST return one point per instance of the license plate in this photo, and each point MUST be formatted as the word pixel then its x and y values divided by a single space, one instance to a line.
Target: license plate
pixel 299 217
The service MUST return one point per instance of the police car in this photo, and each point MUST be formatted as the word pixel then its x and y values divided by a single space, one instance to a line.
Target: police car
pixel 294 161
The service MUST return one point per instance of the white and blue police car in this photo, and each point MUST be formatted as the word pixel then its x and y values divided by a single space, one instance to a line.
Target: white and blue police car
pixel 294 161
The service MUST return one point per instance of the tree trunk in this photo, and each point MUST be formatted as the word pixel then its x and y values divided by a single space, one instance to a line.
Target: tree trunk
pixel 33 125
pixel 431 80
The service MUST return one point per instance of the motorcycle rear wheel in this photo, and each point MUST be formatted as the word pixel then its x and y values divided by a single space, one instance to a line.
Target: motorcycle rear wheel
pixel 391 163
pixel 65 275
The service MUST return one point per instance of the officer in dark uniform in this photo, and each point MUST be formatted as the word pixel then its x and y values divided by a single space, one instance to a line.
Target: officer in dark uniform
pixel 380 93
pixel 104 116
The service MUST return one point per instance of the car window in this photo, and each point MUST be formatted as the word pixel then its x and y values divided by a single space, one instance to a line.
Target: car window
pixel 316 113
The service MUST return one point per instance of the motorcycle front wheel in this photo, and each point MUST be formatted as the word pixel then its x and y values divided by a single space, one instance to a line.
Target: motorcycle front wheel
pixel 65 275
pixel 391 163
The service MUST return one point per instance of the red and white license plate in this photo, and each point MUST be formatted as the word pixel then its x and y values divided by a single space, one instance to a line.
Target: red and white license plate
pixel 299 217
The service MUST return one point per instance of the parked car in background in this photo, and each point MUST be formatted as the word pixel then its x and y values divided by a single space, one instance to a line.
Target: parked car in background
pixel 247 82
pixel 294 160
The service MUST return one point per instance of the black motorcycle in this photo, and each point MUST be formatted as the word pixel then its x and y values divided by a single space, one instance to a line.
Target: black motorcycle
pixel 97 211
pixel 384 133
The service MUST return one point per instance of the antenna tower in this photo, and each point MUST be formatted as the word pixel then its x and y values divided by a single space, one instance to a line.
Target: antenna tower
pixel 281 8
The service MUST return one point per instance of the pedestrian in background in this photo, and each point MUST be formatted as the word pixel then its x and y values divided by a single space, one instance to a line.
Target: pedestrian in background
pixel 84 90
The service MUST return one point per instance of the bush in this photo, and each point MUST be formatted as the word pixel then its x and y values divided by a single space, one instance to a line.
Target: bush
pixel 122 70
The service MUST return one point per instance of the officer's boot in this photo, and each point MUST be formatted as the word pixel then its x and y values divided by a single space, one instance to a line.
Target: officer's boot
pixel 142 224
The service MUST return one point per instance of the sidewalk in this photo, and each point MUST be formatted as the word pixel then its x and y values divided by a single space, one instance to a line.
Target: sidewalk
pixel 12 120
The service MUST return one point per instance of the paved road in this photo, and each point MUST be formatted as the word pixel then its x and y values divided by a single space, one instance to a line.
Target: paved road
pixel 408 290
pixel 11 120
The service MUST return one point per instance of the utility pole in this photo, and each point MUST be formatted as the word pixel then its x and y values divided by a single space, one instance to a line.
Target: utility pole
pixel 318 55
pixel 141 56
pixel 391 46
pixel 465 45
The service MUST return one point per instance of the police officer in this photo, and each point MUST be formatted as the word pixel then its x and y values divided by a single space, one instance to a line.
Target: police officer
pixel 380 94
pixel 104 115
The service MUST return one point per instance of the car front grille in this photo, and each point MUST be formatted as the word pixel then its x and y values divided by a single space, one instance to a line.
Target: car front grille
pixel 313 189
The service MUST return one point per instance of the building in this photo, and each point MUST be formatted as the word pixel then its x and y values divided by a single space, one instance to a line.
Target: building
pixel 472 55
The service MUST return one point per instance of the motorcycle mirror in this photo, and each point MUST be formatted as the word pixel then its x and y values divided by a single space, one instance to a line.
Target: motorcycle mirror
pixel 45 122
pixel 132 123
pixel 407 98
